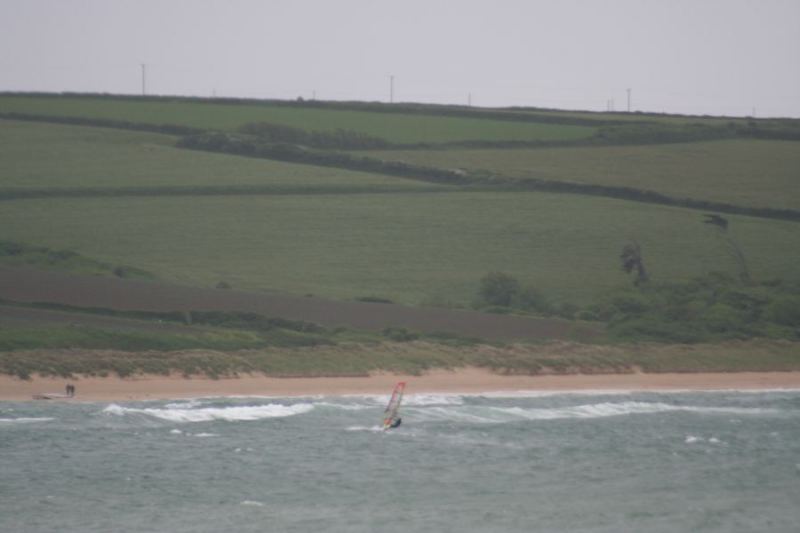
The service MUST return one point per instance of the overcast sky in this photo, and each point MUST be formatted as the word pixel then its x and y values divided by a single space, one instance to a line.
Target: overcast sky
pixel 721 57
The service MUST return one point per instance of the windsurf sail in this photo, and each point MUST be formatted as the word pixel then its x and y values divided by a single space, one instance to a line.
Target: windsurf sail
pixel 391 416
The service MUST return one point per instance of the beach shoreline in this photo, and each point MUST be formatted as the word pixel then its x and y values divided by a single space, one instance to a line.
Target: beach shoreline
pixel 465 381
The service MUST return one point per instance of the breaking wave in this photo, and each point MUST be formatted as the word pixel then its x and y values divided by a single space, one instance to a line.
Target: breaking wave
pixel 232 414
pixel 489 414
pixel 187 404
pixel 433 399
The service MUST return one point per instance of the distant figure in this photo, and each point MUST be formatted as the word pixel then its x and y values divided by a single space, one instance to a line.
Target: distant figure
pixel 70 390
pixel 396 422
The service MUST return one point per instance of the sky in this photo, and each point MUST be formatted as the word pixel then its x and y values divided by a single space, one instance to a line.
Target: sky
pixel 715 57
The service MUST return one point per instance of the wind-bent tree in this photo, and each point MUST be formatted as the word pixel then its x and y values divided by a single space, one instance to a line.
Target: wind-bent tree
pixel 632 260
pixel 731 246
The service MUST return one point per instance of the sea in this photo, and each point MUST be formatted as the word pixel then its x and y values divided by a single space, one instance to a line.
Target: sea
pixel 726 461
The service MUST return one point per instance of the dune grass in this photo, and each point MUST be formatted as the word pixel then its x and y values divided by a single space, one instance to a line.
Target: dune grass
pixel 747 172
pixel 412 358
pixel 409 248
pixel 396 128
pixel 13 339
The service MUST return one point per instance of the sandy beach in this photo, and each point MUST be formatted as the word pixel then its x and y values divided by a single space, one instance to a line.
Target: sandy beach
pixel 469 380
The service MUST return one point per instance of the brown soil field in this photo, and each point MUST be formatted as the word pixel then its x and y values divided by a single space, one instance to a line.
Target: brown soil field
pixel 27 285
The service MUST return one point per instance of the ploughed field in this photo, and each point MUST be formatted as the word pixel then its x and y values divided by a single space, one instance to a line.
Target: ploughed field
pixel 30 286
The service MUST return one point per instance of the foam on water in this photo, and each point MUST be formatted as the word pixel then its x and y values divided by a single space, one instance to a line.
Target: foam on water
pixel 344 406
pixel 252 503
pixel 654 462
pixel 374 429
pixel 433 399
pixel 232 414
pixel 25 420
pixel 479 414
pixel 188 404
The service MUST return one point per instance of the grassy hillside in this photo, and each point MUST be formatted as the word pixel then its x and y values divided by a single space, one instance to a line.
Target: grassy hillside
pixel 96 199
pixel 750 172
pixel 56 157
pixel 410 248
pixel 396 128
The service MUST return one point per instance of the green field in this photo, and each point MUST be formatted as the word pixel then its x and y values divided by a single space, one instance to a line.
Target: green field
pixel 410 248
pixel 393 127
pixel 621 116
pixel 55 157
pixel 131 204
pixel 755 173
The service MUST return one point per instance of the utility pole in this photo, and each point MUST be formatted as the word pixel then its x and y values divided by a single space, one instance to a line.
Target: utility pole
pixel 391 89
pixel 144 78
pixel 469 100
pixel 629 100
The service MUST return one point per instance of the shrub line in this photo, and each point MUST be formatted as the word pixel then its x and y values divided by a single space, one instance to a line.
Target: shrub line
pixel 236 145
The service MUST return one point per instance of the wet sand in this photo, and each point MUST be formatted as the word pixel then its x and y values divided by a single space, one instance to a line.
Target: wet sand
pixel 470 380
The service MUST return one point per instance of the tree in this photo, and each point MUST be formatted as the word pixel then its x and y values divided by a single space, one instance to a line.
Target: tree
pixel 631 258
pixel 498 288
pixel 731 246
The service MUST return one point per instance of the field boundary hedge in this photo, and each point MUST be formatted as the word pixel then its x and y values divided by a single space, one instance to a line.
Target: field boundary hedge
pixel 169 129
pixel 243 190
pixel 617 134
pixel 444 110
pixel 468 181
pixel 202 140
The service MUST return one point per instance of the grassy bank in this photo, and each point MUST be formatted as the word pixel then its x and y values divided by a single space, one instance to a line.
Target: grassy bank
pixel 22 254
pixel 414 358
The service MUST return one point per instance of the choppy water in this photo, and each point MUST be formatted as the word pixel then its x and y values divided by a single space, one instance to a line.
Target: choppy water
pixel 722 461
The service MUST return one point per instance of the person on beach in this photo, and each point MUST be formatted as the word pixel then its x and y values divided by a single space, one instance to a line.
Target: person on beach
pixel 70 390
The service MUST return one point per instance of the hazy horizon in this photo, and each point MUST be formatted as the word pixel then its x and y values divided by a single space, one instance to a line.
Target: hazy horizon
pixel 714 57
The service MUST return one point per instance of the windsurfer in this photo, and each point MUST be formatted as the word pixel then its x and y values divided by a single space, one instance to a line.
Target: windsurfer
pixel 391 418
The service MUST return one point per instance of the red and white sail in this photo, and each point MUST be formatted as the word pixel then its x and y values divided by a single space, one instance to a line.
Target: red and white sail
pixel 390 415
